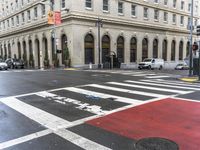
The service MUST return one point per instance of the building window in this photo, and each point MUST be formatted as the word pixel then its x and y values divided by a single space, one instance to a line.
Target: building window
pixel 133 10
pixel 89 49
pixel 133 50
pixel 62 3
pixel 165 16
pixel 156 14
pixel 8 23
pixel 22 2
pixel 16 1
pixel 105 5
pixel 35 12
pixel 173 50
pixel 17 18
pixel 12 20
pixel 88 4
pixel 120 7
pixel 165 2
pixel 174 18
pixel 29 15
pixel 174 3
pixel 43 10
pixel 156 1
pixel 145 13
pixel 182 5
pixel 23 19
pixel 182 20
pixel 189 7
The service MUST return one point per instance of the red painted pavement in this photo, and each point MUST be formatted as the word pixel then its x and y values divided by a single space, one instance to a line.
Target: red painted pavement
pixel 173 119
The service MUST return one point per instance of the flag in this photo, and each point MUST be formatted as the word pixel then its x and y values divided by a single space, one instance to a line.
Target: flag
pixel 50 17
pixel 57 17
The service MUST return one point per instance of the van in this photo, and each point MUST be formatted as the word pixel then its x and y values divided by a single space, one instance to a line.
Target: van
pixel 151 63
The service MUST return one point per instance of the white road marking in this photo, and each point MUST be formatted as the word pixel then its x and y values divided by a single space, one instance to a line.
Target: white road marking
pixel 154 77
pixel 44 118
pixel 81 105
pixel 102 95
pixel 173 82
pixel 25 138
pixel 150 88
pixel 126 90
pixel 161 85
pixel 80 141
pixel 141 75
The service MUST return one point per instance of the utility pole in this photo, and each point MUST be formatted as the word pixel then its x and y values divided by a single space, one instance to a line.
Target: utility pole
pixel 191 31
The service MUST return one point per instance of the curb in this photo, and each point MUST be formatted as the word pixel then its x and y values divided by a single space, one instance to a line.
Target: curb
pixel 189 79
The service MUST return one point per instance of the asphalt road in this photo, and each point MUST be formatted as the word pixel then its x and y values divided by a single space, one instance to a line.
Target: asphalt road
pixel 106 109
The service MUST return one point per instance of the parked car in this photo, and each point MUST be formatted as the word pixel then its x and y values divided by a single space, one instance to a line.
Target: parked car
pixel 151 63
pixel 181 67
pixel 15 63
pixel 3 65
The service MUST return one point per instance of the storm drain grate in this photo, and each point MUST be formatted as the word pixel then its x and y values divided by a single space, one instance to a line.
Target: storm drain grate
pixel 155 143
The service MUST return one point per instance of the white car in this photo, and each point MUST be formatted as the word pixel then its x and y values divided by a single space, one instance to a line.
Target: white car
pixel 151 63
pixel 3 66
pixel 182 67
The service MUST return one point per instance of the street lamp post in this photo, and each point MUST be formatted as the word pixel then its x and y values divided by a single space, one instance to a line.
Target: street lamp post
pixel 51 4
pixel 191 32
pixel 99 24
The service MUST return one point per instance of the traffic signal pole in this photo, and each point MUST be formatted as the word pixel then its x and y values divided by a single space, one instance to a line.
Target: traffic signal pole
pixel 191 32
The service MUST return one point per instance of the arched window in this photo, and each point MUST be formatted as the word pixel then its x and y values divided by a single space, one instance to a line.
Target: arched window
pixel 31 58
pixel 24 51
pixel 120 49
pixel 64 46
pixel 5 52
pixel 105 48
pixel 144 48
pixel 133 50
pixel 9 51
pixel 181 50
pixel 164 52
pixel 155 48
pixel 188 48
pixel 37 43
pixel 1 51
pixel 173 50
pixel 19 50
pixel 89 49
pixel 45 46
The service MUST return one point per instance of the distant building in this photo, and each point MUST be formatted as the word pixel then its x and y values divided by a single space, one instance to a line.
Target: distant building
pixel 133 29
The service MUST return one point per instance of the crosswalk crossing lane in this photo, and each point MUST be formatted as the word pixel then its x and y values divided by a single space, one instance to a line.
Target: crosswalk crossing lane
pixel 134 73
pixel 64 111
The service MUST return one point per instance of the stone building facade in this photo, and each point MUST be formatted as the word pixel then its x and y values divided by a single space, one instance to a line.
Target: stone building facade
pixel 132 29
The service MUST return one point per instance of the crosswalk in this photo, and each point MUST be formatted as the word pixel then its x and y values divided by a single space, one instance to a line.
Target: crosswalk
pixel 146 74
pixel 85 102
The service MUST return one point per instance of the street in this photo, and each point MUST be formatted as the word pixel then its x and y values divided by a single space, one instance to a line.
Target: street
pixel 96 109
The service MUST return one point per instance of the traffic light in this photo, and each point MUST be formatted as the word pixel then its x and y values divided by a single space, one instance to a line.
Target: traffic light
pixel 195 46
pixel 198 30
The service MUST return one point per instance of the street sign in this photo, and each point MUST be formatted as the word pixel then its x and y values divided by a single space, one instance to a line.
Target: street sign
pixel 195 46
pixel 59 51
pixel 198 30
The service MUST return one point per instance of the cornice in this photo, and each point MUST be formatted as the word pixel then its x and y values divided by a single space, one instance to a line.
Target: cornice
pixel 88 18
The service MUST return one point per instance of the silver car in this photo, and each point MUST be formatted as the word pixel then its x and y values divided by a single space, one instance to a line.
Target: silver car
pixel 3 66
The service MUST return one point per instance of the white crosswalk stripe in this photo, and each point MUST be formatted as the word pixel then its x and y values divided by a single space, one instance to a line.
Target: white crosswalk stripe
pixel 126 90
pixel 168 82
pixel 134 73
pixel 103 95
pixel 162 85
pixel 150 88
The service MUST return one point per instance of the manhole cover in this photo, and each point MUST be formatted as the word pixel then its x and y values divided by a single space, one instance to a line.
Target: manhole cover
pixel 155 143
